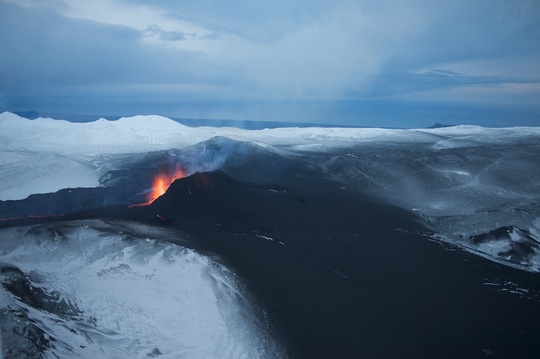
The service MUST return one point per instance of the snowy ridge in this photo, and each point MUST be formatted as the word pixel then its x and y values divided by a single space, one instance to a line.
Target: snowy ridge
pixel 86 290
pixel 147 133
pixel 127 135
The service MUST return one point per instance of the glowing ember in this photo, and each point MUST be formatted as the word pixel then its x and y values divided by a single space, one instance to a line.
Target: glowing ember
pixel 160 184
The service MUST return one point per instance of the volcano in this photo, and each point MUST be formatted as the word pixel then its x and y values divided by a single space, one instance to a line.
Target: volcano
pixel 217 201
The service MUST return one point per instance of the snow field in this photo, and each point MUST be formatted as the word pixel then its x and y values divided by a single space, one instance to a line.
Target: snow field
pixel 133 296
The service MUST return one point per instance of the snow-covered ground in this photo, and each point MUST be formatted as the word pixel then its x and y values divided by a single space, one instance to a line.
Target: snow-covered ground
pixel 94 289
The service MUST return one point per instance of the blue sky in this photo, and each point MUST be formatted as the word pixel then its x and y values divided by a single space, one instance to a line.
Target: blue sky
pixel 367 63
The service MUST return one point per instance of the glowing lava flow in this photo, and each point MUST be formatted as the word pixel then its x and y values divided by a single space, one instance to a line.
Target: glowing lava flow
pixel 160 184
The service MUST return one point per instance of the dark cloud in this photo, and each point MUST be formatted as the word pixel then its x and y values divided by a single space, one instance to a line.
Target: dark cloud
pixel 45 49
pixel 473 30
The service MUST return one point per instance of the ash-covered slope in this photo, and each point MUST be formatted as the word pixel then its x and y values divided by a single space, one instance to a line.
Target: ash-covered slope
pixel 289 205
pixel 357 272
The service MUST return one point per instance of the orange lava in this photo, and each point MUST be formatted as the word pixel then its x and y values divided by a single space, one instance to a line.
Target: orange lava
pixel 160 184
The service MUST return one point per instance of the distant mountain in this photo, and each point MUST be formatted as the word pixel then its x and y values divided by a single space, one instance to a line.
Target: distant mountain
pixel 32 115
pixel 439 125
pixel 191 122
